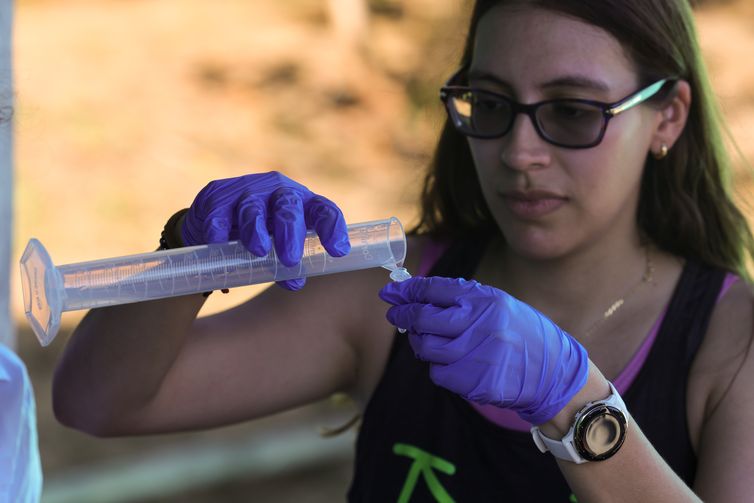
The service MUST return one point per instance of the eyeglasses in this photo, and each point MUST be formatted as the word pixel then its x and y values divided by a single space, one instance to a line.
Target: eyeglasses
pixel 569 123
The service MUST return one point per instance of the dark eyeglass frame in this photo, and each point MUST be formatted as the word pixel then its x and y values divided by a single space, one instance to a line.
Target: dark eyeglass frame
pixel 609 110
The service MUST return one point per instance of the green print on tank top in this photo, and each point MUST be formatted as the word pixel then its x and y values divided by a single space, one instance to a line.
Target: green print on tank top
pixel 424 464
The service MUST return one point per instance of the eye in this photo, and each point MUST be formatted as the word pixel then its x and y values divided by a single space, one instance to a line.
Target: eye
pixel 569 113
pixel 484 103
pixel 488 105
pixel 571 110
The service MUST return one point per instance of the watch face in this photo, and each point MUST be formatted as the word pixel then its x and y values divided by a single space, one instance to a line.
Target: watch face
pixel 600 432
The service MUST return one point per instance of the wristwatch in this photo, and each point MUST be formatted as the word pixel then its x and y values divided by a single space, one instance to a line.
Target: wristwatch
pixel 597 432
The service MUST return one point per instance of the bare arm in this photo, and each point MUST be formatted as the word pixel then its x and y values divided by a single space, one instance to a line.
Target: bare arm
pixel 151 367
pixel 725 441
pixel 635 473
pixel 117 358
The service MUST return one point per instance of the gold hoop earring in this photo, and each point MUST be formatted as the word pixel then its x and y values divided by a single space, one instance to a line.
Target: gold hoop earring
pixel 662 153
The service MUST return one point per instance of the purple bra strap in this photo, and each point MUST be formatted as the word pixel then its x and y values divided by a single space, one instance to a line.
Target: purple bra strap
pixel 627 375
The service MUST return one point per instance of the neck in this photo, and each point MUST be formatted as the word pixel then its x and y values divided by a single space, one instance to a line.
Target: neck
pixel 574 289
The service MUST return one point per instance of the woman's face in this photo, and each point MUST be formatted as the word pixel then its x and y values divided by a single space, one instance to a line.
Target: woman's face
pixel 550 201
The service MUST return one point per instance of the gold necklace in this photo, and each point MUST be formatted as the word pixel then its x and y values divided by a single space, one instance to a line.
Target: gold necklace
pixel 647 277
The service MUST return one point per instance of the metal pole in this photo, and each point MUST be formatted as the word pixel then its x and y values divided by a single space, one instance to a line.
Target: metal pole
pixel 7 332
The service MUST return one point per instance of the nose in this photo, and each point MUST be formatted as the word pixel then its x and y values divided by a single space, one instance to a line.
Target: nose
pixel 523 149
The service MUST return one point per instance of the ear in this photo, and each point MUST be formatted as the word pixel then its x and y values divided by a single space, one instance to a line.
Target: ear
pixel 672 116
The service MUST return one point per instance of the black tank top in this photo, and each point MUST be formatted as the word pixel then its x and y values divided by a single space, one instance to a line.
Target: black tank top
pixel 419 442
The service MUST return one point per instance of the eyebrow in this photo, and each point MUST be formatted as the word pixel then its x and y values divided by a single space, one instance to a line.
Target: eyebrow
pixel 578 81
pixel 569 81
pixel 485 75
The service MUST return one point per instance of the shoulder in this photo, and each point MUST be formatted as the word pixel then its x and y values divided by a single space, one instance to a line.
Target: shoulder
pixel 726 345
pixel 725 365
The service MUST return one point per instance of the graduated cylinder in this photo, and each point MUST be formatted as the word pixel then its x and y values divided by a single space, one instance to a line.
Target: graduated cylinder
pixel 50 290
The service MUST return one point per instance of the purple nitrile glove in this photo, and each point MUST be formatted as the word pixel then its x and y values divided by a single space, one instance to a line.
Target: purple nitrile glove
pixel 251 207
pixel 487 346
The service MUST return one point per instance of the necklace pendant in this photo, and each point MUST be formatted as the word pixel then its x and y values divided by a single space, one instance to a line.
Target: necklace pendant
pixel 611 310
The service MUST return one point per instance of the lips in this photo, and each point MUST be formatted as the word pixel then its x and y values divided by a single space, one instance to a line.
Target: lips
pixel 533 204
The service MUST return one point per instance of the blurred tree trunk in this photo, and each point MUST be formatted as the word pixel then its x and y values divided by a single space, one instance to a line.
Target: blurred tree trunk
pixel 350 21
pixel 347 65
pixel 7 334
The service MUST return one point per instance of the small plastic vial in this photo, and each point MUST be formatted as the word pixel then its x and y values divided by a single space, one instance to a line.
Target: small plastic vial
pixel 400 274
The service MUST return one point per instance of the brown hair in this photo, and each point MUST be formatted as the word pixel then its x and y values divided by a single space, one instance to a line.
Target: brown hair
pixel 685 205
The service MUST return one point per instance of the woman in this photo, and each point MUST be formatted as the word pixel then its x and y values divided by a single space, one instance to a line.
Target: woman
pixel 579 187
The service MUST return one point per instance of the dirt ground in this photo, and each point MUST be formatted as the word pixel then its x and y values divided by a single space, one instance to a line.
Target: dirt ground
pixel 126 109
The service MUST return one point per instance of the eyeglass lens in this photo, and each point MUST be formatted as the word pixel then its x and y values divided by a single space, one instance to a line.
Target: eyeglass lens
pixel 565 122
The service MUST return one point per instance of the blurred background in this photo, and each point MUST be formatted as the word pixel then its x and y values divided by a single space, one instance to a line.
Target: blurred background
pixel 125 109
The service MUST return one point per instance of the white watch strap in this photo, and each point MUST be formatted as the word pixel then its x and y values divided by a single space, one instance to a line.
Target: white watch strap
pixel 564 448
